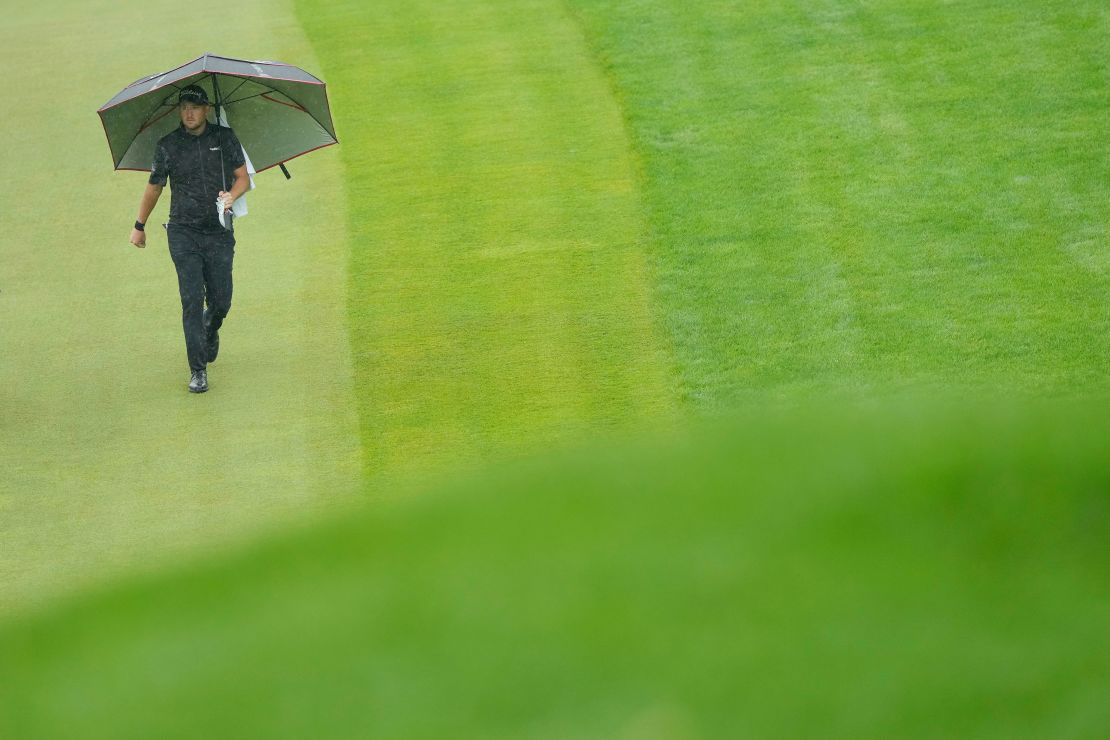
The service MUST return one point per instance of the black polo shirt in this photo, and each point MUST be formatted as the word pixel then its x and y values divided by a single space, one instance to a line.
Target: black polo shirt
pixel 192 164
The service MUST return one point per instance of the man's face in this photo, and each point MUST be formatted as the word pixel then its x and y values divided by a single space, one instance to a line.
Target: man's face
pixel 193 115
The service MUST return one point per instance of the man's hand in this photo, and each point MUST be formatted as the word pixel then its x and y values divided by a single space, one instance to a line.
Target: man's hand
pixel 227 199
pixel 138 238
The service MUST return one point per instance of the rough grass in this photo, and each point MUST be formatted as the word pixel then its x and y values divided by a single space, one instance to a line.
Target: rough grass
pixel 849 196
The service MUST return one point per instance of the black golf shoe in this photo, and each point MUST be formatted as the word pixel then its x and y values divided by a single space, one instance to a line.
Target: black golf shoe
pixel 199 382
pixel 213 340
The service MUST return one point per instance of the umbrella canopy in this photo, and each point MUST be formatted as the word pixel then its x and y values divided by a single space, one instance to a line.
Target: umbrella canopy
pixel 278 111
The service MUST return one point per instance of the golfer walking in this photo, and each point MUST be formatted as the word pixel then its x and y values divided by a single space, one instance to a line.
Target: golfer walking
pixel 196 159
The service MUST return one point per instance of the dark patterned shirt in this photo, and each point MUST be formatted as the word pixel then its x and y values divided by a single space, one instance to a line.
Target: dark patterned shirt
pixel 192 164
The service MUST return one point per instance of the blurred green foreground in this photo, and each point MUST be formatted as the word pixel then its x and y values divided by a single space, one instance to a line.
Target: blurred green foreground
pixel 924 571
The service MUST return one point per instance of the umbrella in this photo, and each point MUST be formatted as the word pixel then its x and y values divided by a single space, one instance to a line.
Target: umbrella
pixel 280 111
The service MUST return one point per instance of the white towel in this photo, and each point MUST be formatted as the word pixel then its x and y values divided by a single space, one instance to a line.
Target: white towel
pixel 239 207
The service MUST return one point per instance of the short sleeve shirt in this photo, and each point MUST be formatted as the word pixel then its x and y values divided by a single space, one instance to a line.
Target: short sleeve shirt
pixel 192 165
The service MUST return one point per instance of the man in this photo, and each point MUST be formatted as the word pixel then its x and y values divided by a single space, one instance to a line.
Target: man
pixel 196 157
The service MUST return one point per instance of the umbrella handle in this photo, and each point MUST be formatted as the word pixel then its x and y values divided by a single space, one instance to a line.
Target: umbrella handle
pixel 285 171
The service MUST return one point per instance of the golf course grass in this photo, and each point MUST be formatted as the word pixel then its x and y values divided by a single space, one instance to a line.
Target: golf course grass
pixel 108 464
pixel 917 572
pixel 850 196
pixel 499 293
pixel 455 475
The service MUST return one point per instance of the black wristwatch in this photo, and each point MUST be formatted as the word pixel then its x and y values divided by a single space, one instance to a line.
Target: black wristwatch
pixel 140 226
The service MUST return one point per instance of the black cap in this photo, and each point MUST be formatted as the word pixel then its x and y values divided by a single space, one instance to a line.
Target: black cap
pixel 193 94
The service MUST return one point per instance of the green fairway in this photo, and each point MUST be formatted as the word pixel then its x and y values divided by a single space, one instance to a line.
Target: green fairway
pixel 108 464
pixel 913 573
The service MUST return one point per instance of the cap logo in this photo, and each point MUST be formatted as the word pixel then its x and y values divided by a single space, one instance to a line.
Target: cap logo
pixel 193 93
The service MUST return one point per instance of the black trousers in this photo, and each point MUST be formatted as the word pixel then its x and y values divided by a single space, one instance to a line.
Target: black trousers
pixel 203 263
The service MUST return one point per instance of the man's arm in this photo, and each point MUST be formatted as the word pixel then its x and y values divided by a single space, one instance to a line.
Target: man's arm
pixel 146 206
pixel 241 185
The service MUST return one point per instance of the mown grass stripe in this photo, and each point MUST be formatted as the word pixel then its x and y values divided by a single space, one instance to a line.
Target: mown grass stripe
pixel 852 197
pixel 499 297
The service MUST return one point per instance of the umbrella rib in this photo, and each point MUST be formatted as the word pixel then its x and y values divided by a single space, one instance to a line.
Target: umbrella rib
pixel 295 104
pixel 249 97
pixel 150 122
pixel 230 94
pixel 151 119
pixel 165 103
pixel 263 94
pixel 255 79
pixel 306 111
